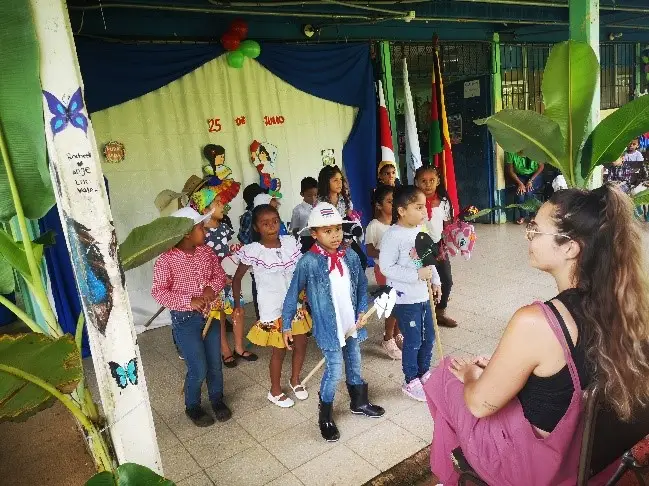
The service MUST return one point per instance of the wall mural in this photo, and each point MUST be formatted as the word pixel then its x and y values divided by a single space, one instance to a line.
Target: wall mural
pixel 264 157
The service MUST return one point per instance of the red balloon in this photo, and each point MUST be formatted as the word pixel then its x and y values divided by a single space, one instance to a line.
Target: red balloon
pixel 230 41
pixel 239 28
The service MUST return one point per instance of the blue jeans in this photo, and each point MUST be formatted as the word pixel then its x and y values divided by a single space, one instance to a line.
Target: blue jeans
pixel 351 355
pixel 416 325
pixel 202 356
pixel 521 198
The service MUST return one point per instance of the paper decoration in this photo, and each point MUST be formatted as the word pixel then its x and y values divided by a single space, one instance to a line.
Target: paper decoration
pixel 114 152
pixel 264 157
pixel 328 157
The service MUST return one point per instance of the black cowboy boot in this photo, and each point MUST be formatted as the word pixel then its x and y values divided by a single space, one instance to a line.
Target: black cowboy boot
pixel 360 403
pixel 328 428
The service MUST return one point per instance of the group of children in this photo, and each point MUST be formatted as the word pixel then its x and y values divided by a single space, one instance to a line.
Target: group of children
pixel 319 289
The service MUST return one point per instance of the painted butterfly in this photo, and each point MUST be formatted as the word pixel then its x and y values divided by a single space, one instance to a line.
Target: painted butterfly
pixel 124 374
pixel 72 113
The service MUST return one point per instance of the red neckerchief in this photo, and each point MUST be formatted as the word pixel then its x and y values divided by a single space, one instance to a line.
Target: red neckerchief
pixel 333 258
pixel 429 204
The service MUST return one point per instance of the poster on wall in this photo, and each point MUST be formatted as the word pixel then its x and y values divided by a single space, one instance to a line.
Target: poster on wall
pixel 455 128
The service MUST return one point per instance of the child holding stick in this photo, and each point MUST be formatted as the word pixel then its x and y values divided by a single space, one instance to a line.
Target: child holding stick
pixel 336 289
pixel 400 264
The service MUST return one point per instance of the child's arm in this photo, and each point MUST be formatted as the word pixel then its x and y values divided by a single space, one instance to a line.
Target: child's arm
pixel 217 276
pixel 388 258
pixel 295 219
pixel 371 251
pixel 162 285
pixel 361 291
pixel 298 282
pixel 236 283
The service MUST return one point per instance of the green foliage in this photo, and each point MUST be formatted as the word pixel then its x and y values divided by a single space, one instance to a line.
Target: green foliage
pixel 146 242
pixel 7 279
pixel 129 474
pixel 54 361
pixel 531 205
pixel 641 198
pixel 21 114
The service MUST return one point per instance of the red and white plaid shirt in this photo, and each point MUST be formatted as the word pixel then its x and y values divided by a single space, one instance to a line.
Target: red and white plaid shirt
pixel 179 276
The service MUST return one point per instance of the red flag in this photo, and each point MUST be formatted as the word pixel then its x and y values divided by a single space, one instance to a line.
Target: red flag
pixel 387 152
pixel 439 138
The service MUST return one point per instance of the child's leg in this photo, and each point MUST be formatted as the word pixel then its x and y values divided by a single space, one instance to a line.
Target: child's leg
pixel 352 357
pixel 425 353
pixel 332 374
pixel 357 388
pixel 444 270
pixel 390 328
pixel 225 347
pixel 409 317
pixel 188 328
pixel 276 360
pixel 299 353
pixel 212 346
pixel 254 296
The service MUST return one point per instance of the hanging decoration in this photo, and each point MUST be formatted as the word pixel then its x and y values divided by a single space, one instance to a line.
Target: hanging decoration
pixel 234 41
pixel 264 157
pixel 114 152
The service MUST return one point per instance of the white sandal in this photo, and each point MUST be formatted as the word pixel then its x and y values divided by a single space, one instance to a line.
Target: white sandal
pixel 285 403
pixel 300 391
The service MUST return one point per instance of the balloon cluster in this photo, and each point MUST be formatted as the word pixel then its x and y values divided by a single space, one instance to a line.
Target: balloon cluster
pixel 234 41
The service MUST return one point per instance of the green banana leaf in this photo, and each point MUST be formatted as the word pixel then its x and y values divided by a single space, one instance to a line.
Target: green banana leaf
pixel 129 474
pixel 146 242
pixel 531 205
pixel 479 214
pixel 528 133
pixel 21 114
pixel 609 139
pixel 13 252
pixel 55 361
pixel 641 198
pixel 7 279
pixel 569 81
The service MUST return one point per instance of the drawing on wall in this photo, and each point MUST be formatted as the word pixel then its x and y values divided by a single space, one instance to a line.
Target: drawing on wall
pixel 124 375
pixel 219 175
pixel 328 157
pixel 264 157
pixel 94 284
pixel 64 114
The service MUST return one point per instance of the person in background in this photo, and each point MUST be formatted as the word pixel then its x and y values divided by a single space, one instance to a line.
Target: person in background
pixel 245 230
pixel 187 280
pixel 300 216
pixel 525 174
pixel 632 153
pixel 387 173
pixel 261 199
pixel 524 405
pixel 382 201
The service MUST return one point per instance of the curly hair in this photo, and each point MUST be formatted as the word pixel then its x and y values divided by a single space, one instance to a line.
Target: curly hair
pixel 611 274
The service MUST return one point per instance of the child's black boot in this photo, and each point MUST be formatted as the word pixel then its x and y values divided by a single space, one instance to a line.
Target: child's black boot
pixel 360 403
pixel 328 428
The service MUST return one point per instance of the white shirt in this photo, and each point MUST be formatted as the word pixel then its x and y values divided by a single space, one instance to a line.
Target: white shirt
pixel 273 269
pixel 435 224
pixel 635 156
pixel 399 265
pixel 300 217
pixel 374 233
pixel 341 289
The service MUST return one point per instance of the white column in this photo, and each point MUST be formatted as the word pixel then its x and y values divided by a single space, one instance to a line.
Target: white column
pixel 90 236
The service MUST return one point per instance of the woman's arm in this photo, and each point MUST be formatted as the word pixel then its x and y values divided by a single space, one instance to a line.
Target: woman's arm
pixel 524 343
pixel 236 283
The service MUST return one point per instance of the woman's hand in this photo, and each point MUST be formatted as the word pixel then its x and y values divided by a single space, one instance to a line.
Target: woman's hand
pixel 465 370
pixel 530 185
pixel 520 188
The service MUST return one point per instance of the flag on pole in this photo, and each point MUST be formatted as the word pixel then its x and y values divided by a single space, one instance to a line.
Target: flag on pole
pixel 439 139
pixel 413 153
pixel 387 150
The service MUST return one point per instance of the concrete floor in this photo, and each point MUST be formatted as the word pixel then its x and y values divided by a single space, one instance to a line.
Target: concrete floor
pixel 263 444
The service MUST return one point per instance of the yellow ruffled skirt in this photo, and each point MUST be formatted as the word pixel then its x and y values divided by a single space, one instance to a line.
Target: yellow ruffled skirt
pixel 270 333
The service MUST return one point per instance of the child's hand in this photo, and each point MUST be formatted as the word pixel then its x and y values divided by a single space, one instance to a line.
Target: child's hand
pixel 237 316
pixel 437 293
pixel 228 280
pixel 198 304
pixel 361 320
pixel 425 273
pixel 208 294
pixel 288 340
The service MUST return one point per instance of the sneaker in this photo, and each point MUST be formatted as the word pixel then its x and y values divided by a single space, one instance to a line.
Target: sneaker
pixel 280 400
pixel 180 357
pixel 199 416
pixel 221 411
pixel 399 340
pixel 425 377
pixel 391 349
pixel 414 390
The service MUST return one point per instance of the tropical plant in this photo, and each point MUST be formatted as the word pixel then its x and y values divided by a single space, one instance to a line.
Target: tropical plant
pixel 560 137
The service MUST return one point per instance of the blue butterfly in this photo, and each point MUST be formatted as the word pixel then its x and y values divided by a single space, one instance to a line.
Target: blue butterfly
pixel 124 374
pixel 66 114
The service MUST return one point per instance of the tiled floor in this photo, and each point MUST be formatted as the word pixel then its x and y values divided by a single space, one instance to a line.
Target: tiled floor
pixel 263 444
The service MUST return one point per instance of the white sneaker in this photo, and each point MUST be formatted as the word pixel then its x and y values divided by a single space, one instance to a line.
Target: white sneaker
pixel 281 400
pixel 424 378
pixel 300 391
pixel 414 390
pixel 391 349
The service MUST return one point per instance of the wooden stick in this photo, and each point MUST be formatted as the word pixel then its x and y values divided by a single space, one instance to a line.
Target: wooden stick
pixel 438 337
pixel 148 323
pixel 364 320
pixel 208 324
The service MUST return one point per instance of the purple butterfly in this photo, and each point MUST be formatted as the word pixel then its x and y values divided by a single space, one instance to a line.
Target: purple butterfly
pixel 66 114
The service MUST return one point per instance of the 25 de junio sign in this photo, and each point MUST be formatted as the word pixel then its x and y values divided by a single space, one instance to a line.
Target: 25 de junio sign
pixel 215 125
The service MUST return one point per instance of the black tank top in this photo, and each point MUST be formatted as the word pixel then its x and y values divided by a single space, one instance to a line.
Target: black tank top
pixel 545 400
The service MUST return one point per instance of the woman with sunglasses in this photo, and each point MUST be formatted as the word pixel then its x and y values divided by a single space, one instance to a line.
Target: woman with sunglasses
pixel 517 415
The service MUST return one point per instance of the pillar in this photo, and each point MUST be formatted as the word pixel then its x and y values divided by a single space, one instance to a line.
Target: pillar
pixel 498 152
pixel 90 237
pixel 584 26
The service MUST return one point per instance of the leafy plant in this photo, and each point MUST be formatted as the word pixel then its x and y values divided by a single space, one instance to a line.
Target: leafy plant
pixel 129 474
